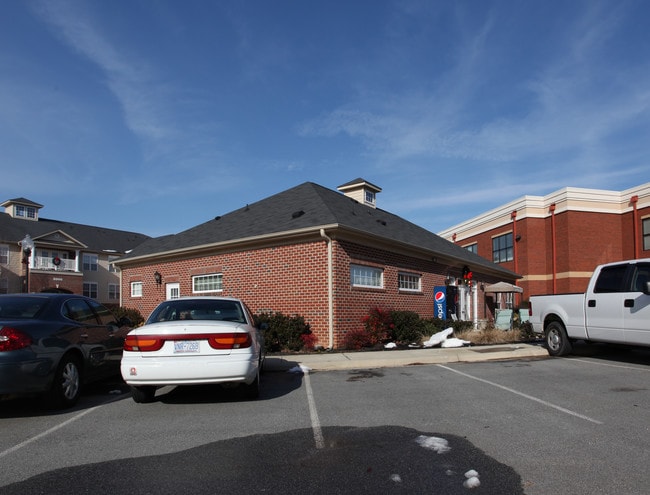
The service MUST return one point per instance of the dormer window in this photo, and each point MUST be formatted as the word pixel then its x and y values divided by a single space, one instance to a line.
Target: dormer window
pixel 370 198
pixel 25 211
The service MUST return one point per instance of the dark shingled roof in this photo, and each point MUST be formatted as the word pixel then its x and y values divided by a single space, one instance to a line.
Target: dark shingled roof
pixel 96 239
pixel 310 206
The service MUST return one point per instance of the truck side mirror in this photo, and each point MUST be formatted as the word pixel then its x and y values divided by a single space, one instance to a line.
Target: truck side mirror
pixel 646 288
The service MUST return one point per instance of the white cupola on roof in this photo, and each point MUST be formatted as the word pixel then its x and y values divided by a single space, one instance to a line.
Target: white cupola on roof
pixel 22 208
pixel 362 191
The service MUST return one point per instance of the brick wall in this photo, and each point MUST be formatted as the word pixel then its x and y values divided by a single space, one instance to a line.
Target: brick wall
pixel 292 279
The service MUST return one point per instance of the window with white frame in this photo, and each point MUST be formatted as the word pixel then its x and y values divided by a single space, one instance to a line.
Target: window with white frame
pixel 90 262
pixel 25 211
pixel 136 289
pixel 409 282
pixel 366 276
pixel 4 254
pixel 113 292
pixel 207 283
pixel 369 197
pixel 90 289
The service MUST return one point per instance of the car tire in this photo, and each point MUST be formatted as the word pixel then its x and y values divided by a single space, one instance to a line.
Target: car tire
pixel 66 387
pixel 556 339
pixel 143 394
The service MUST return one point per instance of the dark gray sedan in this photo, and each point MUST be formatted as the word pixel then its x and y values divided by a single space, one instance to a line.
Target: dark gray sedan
pixel 51 344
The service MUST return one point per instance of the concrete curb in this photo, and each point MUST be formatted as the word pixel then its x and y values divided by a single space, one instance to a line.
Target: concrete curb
pixel 397 358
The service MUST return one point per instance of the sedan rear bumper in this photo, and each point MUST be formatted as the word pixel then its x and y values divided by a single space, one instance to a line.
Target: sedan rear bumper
pixel 183 370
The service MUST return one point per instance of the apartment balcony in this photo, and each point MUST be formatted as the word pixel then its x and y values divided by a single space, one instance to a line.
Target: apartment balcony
pixel 64 265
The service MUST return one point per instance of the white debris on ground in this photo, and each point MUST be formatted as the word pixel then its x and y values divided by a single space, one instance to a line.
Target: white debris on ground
pixel 472 480
pixel 396 478
pixel 438 338
pixel 454 342
pixel 441 446
pixel 441 339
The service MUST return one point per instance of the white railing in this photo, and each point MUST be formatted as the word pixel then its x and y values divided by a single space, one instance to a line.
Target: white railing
pixel 41 263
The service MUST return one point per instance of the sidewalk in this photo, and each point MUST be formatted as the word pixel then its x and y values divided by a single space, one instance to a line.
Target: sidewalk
pixel 327 361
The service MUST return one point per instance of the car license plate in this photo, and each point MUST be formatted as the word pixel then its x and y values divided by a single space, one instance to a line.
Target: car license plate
pixel 186 346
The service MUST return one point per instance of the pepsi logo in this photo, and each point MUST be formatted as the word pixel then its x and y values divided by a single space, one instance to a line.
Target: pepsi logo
pixel 439 296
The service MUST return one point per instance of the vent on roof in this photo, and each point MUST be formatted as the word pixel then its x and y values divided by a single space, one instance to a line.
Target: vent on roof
pixel 297 214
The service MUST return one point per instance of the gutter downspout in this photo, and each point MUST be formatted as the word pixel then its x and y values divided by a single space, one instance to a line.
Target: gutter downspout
pixel 515 241
pixel 635 221
pixel 553 240
pixel 330 289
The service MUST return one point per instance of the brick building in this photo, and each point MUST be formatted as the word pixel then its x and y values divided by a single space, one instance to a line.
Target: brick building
pixel 325 255
pixel 61 256
pixel 556 241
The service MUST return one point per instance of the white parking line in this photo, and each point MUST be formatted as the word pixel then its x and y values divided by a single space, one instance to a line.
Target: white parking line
pixel 313 413
pixel 598 363
pixel 47 432
pixel 526 396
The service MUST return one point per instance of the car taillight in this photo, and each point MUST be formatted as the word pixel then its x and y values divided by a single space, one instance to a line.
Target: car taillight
pixel 143 343
pixel 230 340
pixel 12 339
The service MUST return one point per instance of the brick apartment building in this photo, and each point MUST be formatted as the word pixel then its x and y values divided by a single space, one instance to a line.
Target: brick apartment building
pixel 556 241
pixel 37 254
pixel 325 255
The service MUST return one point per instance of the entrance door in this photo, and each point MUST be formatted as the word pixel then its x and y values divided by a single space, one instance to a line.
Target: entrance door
pixel 173 290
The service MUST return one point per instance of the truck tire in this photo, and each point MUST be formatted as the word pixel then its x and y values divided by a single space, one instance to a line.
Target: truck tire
pixel 557 340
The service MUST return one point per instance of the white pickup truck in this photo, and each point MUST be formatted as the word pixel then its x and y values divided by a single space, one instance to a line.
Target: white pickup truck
pixel 615 309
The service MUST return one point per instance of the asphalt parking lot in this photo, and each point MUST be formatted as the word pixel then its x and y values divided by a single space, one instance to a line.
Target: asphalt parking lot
pixel 534 425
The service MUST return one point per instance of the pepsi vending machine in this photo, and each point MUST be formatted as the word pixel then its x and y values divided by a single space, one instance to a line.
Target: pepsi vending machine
pixel 445 301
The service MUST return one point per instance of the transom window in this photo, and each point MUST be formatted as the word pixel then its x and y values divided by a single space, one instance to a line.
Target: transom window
pixel 366 276
pixel 409 281
pixel 136 289
pixel 207 283
pixel 502 248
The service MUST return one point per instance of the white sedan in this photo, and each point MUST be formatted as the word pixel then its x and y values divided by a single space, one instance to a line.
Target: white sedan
pixel 193 341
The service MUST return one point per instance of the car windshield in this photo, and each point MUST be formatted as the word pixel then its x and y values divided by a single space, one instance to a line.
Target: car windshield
pixel 197 309
pixel 13 308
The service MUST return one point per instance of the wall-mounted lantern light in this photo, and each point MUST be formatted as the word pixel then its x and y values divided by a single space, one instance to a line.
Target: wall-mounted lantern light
pixel 157 277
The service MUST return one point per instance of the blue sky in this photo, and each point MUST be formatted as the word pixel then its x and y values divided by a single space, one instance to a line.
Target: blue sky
pixel 155 116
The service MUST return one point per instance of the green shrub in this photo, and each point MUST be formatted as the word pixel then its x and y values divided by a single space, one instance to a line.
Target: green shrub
pixel 407 327
pixel 132 314
pixel 284 333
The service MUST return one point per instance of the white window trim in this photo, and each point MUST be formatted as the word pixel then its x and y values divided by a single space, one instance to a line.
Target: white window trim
pixel 416 276
pixel 218 276
pixel 370 269
pixel 136 289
